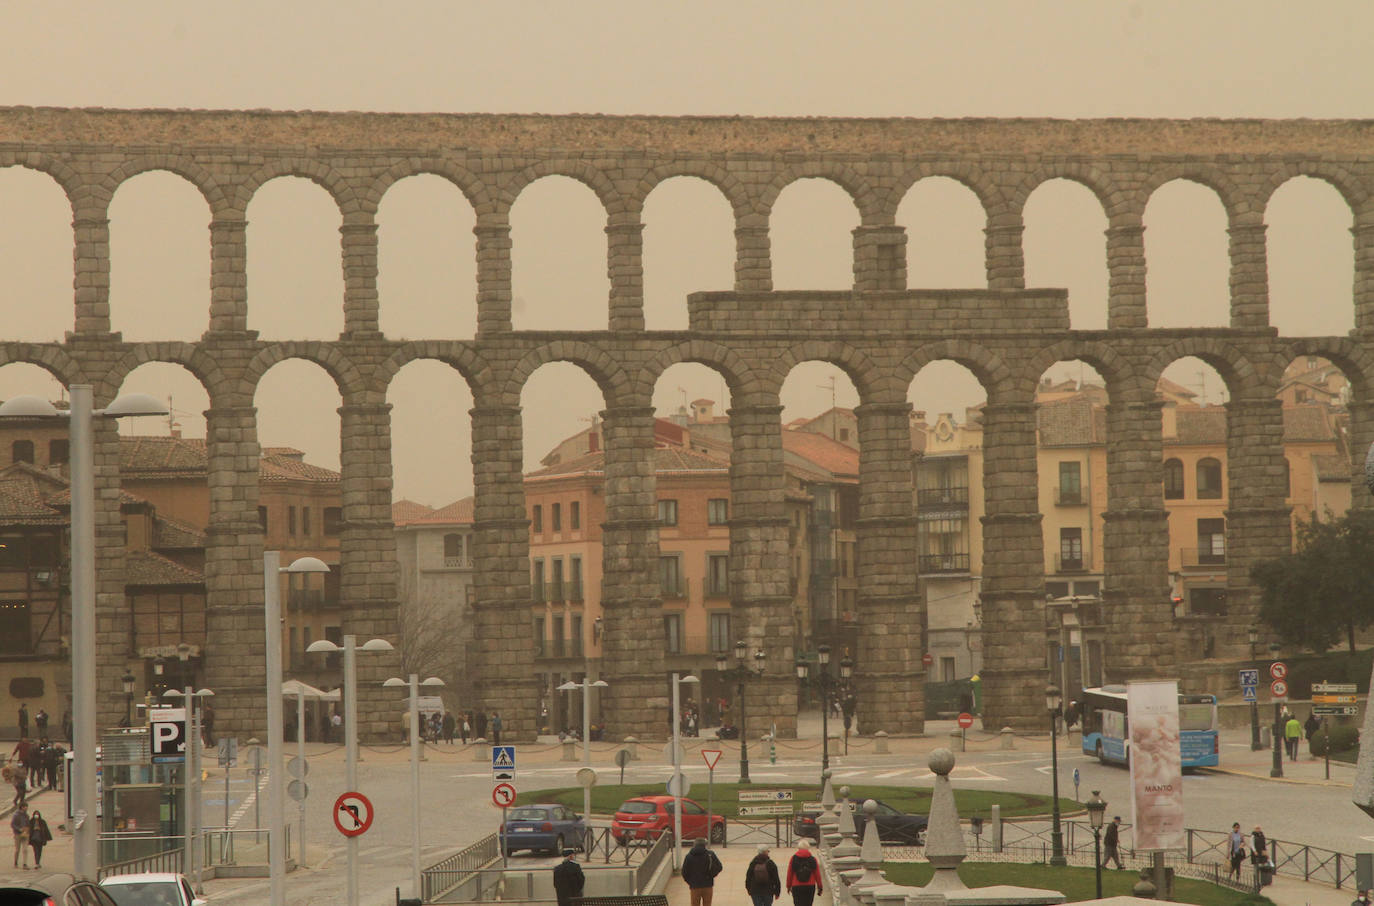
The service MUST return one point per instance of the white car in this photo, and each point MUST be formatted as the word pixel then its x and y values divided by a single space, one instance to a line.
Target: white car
pixel 163 888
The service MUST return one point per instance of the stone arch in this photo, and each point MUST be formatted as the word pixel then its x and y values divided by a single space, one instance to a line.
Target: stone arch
pixel 734 191
pixel 66 178
pixel 869 379
pixel 1209 175
pixel 1355 362
pixel 580 170
pixel 1115 368
pixel 473 188
pixel 202 366
pixel 989 368
pixel 50 357
pixel 461 357
pixel 186 167
pixel 866 199
pixel 739 376
pixel 1108 194
pixel 615 386
pixel 323 175
pixel 349 380
pixel 1243 379
pixel 962 172
pixel 1340 179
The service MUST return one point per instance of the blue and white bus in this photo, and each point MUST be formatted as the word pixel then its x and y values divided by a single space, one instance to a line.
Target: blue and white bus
pixel 1105 732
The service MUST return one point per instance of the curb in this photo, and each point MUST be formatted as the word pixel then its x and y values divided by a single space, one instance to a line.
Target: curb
pixel 1290 780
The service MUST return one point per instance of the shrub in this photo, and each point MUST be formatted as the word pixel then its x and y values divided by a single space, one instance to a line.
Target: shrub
pixel 1343 738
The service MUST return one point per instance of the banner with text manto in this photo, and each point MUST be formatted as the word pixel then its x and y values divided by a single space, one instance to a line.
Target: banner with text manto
pixel 1156 765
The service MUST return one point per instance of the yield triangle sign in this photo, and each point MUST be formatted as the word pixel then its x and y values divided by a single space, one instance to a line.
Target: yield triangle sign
pixel 710 756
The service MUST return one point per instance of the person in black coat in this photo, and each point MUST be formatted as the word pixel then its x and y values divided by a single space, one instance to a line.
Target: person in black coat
pixel 568 879
pixel 699 870
pixel 761 879
pixel 1111 843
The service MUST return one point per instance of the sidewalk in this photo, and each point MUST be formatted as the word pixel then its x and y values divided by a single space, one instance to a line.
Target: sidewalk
pixel 729 890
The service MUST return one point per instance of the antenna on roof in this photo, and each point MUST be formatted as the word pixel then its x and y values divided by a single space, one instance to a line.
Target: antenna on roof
pixel 832 404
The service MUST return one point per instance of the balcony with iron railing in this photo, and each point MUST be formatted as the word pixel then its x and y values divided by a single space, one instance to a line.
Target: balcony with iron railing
pixel 694 644
pixel 717 588
pixel 1070 496
pixel 1072 564
pixel 457 563
pixel 944 563
pixel 941 497
pixel 673 587
pixel 1202 557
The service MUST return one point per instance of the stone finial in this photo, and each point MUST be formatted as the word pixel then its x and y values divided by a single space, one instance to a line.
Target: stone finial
pixel 944 837
pixel 827 793
pixel 1144 888
pixel 847 848
pixel 871 853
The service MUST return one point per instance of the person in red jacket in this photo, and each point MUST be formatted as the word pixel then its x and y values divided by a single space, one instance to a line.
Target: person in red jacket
pixel 803 876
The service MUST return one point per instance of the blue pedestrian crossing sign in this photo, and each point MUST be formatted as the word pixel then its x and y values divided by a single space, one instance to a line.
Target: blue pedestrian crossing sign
pixel 1249 679
pixel 1247 693
pixel 503 762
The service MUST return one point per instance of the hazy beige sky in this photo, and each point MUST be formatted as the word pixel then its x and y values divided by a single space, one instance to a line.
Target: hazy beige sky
pixel 758 58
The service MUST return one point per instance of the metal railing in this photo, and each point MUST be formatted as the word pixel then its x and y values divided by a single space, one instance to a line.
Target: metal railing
pixel 1203 556
pixel 941 496
pixel 459 868
pixel 944 563
pixel 215 846
pixel 1069 496
pixel 644 874
pixel 168 855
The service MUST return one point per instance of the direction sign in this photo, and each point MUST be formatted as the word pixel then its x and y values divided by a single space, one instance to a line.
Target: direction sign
pixel 1247 693
pixel 711 757
pixel 503 794
pixel 1278 670
pixel 965 720
pixel 784 808
pixel 352 814
pixel 1249 677
pixel 1333 699
pixel 1279 688
pixel 1345 688
pixel 502 763
pixel 765 795
pixel 1335 710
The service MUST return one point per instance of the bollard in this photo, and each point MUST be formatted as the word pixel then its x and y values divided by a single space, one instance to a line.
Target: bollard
pixel 569 750
pixel 880 743
pixel 632 746
pixel 1008 738
pixel 996 821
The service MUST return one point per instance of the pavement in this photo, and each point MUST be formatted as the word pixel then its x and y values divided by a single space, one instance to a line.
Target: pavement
pixel 729 889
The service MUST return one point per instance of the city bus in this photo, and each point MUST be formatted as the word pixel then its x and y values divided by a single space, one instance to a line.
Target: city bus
pixel 1105 731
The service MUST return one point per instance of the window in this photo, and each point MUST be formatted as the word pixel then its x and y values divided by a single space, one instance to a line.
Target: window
pixel 1057 589
pixel 21 451
pixel 672 633
pixel 556 593
pixel 667 512
pixel 1211 541
pixel 262 517
pixel 538 636
pixel 333 520
pixel 574 578
pixel 305 521
pixel 670 582
pixel 1173 479
pixel 453 546
pixel 1287 478
pixel 947 669
pixel 537 519
pixel 718 575
pixel 538 581
pixel 291 521
pixel 1207 601
pixel 844 434
pixel 291 649
pixel 575 515
pixel 556 517
pixel 717 511
pixel 559 643
pixel 720 632
pixel 1208 479
pixel 59 452
pixel 1071 548
pixel 1070 483
pixel 14 627
pixel 576 636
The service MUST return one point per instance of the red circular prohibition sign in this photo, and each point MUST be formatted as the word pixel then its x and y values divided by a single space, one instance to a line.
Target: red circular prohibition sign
pixel 352 814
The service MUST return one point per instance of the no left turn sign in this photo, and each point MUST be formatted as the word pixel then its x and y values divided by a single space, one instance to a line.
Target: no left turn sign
pixel 502 795
pixel 352 814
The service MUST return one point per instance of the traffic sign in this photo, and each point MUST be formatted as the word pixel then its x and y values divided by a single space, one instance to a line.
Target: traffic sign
pixel 1278 670
pixel 298 790
pixel 228 755
pixel 352 814
pixel 711 757
pixel 1333 699
pixel 765 795
pixel 927 659
pixel 1247 693
pixel 673 788
pixel 965 720
pixel 503 763
pixel 1346 688
pixel 1336 710
pixel 746 811
pixel 586 777
pixel 1279 688
pixel 1249 677
pixel 167 734
pixel 503 794
pixel 298 766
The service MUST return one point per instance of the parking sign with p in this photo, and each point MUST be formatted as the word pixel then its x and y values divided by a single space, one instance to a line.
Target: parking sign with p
pixel 167 735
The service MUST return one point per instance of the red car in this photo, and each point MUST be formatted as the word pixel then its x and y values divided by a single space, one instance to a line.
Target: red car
pixel 646 817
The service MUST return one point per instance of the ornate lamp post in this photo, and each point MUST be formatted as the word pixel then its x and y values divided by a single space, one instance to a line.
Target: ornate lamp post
pixel 1097 810
pixel 741 674
pixel 827 685
pixel 1253 634
pixel 128 680
pixel 1054 704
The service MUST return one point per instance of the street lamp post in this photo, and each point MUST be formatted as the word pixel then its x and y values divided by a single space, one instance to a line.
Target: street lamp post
pixel 1054 703
pixel 128 680
pixel 742 673
pixel 585 687
pixel 276 744
pixel 350 688
pixel 414 683
pixel 677 768
pixel 1253 634
pixel 1097 810
pixel 191 771
pixel 827 685
pixel 80 418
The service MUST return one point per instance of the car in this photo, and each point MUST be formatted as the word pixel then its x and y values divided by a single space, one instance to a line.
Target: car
pixel 56 890
pixel 894 825
pixel 158 888
pixel 645 818
pixel 545 826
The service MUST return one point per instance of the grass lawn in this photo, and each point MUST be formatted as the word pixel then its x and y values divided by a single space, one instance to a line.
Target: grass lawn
pixel 1077 883
pixel 606 799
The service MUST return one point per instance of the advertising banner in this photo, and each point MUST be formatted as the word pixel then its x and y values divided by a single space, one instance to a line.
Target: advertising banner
pixel 1156 765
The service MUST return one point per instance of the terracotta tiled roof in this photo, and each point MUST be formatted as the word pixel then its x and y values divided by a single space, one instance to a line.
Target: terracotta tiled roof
pixel 1073 422
pixel 1166 386
pixel 667 460
pixel 404 512
pixel 22 503
pixel 148 568
pixel 1331 468
pixel 1306 423
pixel 182 457
pixel 172 535
pixel 831 456
pixel 459 512
pixel 288 464
pixel 1200 426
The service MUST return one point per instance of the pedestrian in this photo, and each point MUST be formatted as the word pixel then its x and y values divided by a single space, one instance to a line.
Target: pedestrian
pixel 1111 843
pixel 761 879
pixel 568 879
pixel 1310 728
pixel 466 729
pixel 448 727
pixel 336 727
pixel 67 726
pixel 23 720
pixel 1292 732
pixel 481 724
pixel 40 723
pixel 1237 850
pixel 39 836
pixel 699 870
pixel 1361 900
pixel 207 724
pixel 1259 847
pixel 496 728
pixel 19 826
pixel 19 776
pixel 803 876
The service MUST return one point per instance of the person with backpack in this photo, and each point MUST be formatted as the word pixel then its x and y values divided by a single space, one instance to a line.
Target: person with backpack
pixel 803 876
pixel 699 870
pixel 761 879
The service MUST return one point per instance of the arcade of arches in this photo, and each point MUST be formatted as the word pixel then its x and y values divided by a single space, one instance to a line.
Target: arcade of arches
pixel 881 334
